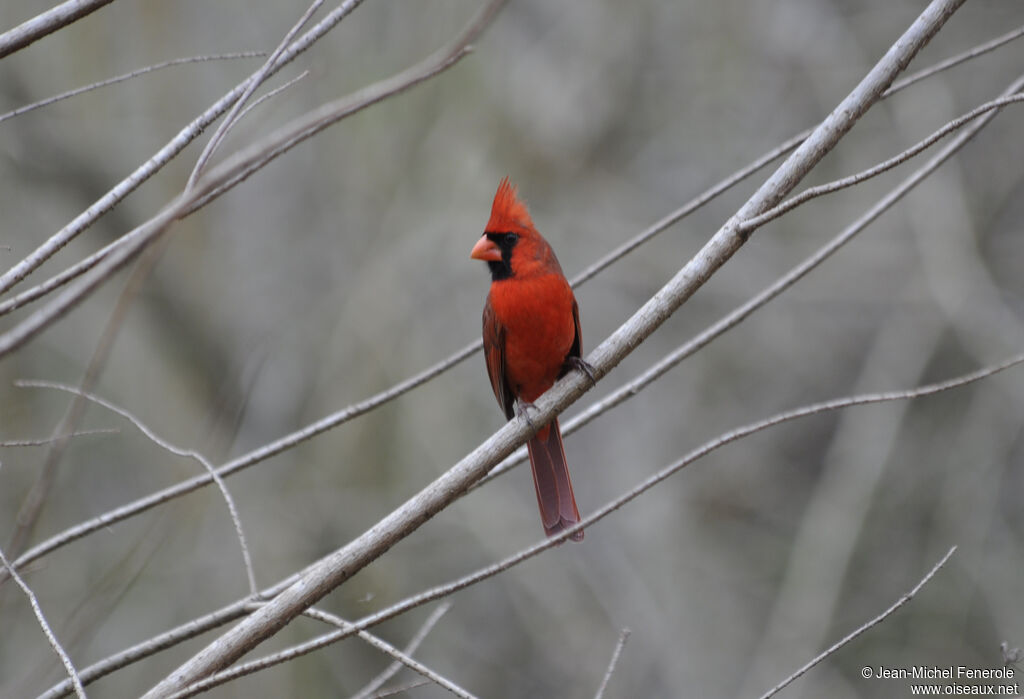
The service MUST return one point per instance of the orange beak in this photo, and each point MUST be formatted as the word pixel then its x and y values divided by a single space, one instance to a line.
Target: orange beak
pixel 486 249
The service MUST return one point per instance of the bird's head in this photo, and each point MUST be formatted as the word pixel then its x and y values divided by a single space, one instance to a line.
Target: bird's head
pixel 510 245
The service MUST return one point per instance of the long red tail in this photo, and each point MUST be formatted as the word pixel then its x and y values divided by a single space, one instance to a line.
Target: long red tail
pixel 551 478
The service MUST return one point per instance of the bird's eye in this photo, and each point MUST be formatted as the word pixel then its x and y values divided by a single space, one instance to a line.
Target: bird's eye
pixel 511 238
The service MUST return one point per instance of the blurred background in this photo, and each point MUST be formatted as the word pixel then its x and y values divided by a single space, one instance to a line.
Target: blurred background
pixel 343 268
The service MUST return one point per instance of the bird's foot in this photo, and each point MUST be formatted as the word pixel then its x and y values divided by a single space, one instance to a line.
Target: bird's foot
pixel 583 366
pixel 523 408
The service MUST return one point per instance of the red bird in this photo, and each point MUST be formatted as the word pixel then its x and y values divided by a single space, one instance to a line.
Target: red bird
pixel 531 339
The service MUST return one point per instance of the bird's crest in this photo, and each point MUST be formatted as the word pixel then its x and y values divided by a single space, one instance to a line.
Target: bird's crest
pixel 508 213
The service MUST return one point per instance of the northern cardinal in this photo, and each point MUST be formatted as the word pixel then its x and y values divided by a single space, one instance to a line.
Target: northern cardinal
pixel 531 339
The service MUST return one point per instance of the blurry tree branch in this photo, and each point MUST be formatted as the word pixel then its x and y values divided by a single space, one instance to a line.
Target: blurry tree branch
pixel 402 657
pixel 251 85
pixel 619 646
pixel 861 629
pixel 76 681
pixel 48 440
pixel 127 76
pixel 46 23
pixel 876 170
pixel 414 643
pixel 177 451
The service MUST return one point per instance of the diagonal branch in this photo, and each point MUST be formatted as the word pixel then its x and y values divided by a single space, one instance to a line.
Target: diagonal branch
pixel 414 643
pixel 251 85
pixel 126 76
pixel 48 22
pixel 907 596
pixel 50 636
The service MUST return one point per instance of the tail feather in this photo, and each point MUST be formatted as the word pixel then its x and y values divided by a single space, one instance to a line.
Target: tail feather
pixel 551 478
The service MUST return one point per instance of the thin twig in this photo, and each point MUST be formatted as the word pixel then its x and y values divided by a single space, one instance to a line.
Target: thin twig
pixel 32 505
pixel 127 76
pixel 884 166
pixel 400 689
pixel 623 637
pixel 857 632
pixel 49 440
pixel 167 446
pixel 69 667
pixel 273 93
pixel 46 23
pixel 401 657
pixel 414 643
pixel 251 85
pixel 957 59
pixel 447 589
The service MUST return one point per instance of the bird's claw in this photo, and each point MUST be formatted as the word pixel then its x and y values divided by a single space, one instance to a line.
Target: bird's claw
pixel 583 366
pixel 522 409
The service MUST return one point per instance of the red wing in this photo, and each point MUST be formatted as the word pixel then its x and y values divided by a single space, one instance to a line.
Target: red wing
pixel 494 354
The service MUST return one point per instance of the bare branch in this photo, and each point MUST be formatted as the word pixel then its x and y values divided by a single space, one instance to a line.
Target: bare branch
pixel 127 76
pixel 50 636
pixel 251 85
pixel 886 165
pixel 401 657
pixel 399 689
pixel 270 95
pixel 50 440
pixel 623 637
pixel 414 643
pixel 167 446
pixel 955 60
pixel 46 23
pixel 877 620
